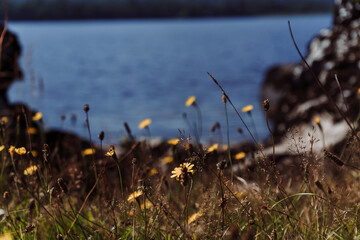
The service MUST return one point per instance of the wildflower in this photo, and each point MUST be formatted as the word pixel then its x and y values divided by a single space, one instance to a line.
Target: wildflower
pixel 20 151
pixel 11 149
pixel 153 172
pixel 174 141
pixel 358 90
pixel 168 159
pixel 248 108
pixel 4 120
pixel 240 194
pixel 190 101
pixel 111 152
pixel 37 117
pixel 194 217
pixel 32 130
pixel 2 147
pixel 135 195
pixel 144 123
pixel 317 120
pixel 88 151
pixel 147 204
pixel 240 155
pixel 34 153
pixel 30 170
pixel 182 172
pixel 213 147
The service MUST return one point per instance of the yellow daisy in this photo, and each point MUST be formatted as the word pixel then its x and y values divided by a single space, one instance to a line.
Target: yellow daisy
pixel 153 172
pixel 240 155
pixel 144 123
pixel 174 141
pixel 20 151
pixel 248 108
pixel 30 170
pixel 135 195
pixel 168 159
pixel 185 168
pixel 194 217
pixel 11 149
pixel 4 119
pixel 147 204
pixel 190 101
pixel 317 120
pixel 213 147
pixel 37 117
pixel 88 151
pixel 111 152
pixel 32 130
pixel 2 147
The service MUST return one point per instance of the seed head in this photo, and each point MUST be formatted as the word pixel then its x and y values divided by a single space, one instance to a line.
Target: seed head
pixel 62 185
pixel 266 105
pixel 224 98
pixel 86 108
pixel 101 135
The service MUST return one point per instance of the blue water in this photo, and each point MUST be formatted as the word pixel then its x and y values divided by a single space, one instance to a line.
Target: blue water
pixel 128 70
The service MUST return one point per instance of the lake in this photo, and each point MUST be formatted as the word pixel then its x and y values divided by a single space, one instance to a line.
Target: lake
pixel 128 70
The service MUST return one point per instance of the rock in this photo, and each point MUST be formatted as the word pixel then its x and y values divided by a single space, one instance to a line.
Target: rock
pixel 296 98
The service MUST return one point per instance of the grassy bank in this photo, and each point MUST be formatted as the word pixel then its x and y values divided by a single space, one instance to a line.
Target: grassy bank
pixel 178 189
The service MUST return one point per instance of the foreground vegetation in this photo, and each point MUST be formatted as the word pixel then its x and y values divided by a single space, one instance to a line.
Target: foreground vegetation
pixel 179 189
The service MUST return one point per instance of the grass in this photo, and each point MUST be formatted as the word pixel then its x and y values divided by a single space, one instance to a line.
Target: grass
pixel 193 195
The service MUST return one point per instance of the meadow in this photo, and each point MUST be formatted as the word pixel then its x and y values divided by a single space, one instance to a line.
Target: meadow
pixel 177 189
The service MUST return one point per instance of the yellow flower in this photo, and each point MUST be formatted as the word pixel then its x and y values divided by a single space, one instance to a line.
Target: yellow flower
pixel 174 141
pixel 6 236
pixel 146 205
pixel 135 195
pixel 213 147
pixel 358 90
pixel 144 123
pixel 34 153
pixel 240 155
pixel 247 108
pixel 11 149
pixel 168 159
pixel 190 101
pixel 88 151
pixel 185 168
pixel 4 119
pixel 30 170
pixel 2 147
pixel 194 217
pixel 317 120
pixel 37 117
pixel 111 152
pixel 20 151
pixel 32 130
pixel 153 172
pixel 240 194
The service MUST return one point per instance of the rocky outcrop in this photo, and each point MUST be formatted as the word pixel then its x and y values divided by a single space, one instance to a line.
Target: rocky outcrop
pixel 296 99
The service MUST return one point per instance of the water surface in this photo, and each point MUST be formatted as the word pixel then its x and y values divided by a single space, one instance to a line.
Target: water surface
pixel 128 70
